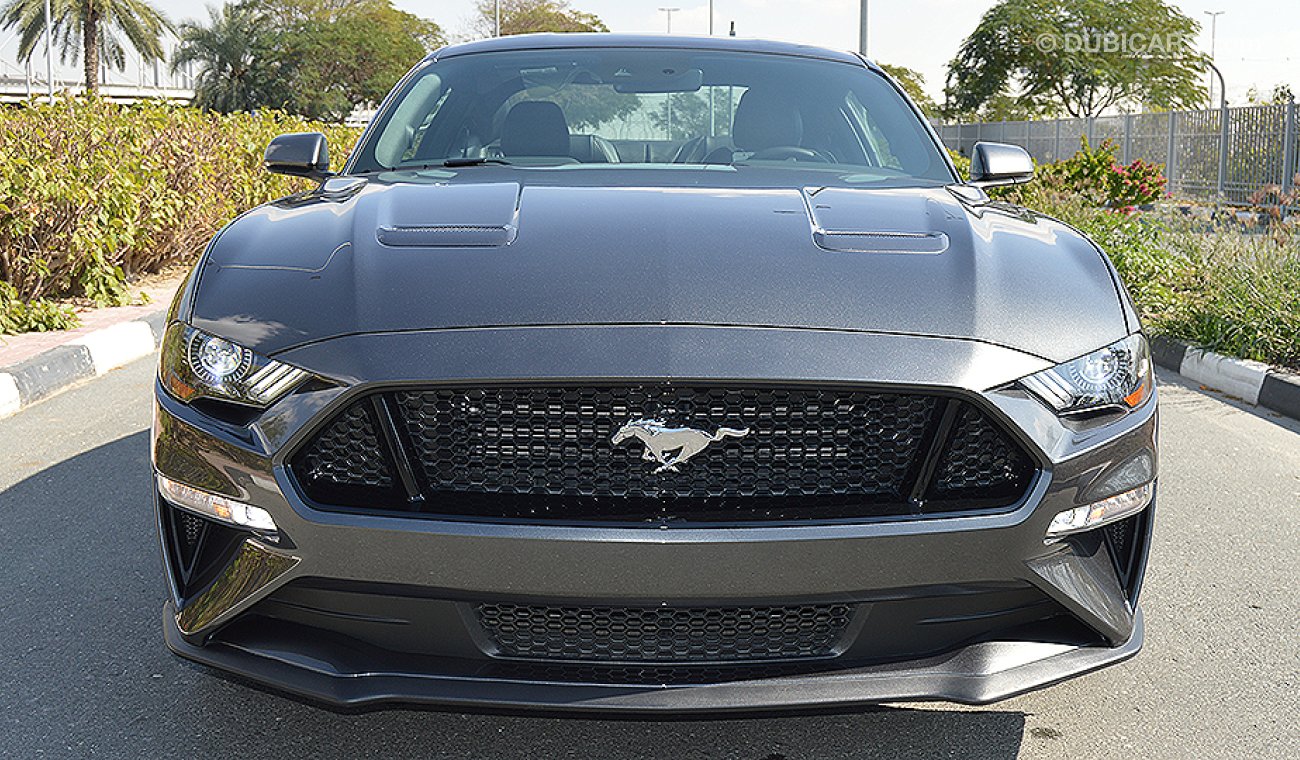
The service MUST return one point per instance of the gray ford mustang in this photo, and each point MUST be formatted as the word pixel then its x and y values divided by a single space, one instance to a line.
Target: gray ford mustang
pixel 652 374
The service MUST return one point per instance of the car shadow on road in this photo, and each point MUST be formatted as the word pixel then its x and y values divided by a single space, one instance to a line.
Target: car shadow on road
pixel 82 602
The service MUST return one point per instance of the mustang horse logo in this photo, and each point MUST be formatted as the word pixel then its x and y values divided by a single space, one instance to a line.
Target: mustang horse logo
pixel 671 446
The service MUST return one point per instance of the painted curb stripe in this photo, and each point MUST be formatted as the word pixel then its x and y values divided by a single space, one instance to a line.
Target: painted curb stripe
pixel 10 400
pixel 1236 377
pixel 117 345
pixel 86 357
pixel 52 371
pixel 1281 393
pixel 1168 353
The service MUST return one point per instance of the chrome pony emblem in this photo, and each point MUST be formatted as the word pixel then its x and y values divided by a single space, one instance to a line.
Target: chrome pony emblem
pixel 671 446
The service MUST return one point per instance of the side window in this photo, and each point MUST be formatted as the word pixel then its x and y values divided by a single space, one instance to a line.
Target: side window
pixel 414 113
pixel 414 149
pixel 871 132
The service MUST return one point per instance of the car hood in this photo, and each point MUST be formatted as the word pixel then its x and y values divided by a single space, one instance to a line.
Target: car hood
pixel 428 253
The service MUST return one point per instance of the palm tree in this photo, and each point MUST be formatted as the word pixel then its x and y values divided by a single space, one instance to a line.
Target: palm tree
pixel 226 50
pixel 100 25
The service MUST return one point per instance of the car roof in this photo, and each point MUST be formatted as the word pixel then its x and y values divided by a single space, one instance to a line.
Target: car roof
pixel 608 40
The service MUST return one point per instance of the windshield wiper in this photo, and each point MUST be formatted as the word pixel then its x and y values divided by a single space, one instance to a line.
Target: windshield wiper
pixel 471 161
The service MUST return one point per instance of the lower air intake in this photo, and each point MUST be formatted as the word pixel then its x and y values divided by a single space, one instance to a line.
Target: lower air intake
pixel 664 634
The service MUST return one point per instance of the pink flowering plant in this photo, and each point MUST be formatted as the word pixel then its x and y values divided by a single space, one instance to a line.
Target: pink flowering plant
pixel 1097 175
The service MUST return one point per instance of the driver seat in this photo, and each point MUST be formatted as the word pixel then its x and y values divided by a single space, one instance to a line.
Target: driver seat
pixel 535 128
pixel 764 119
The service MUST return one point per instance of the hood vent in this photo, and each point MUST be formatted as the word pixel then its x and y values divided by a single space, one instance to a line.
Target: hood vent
pixel 447 236
pixel 882 242
pixel 876 221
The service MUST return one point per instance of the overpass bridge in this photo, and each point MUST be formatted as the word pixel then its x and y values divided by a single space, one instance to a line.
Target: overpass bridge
pixel 138 80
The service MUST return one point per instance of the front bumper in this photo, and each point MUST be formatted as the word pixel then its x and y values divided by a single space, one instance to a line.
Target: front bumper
pixel 358 609
pixel 975 674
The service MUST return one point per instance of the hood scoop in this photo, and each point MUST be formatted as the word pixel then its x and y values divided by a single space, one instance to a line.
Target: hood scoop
pixel 452 216
pixel 875 221
pixel 447 236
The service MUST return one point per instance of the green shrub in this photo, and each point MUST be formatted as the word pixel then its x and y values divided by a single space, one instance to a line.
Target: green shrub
pixel 962 163
pixel 93 193
pixel 36 315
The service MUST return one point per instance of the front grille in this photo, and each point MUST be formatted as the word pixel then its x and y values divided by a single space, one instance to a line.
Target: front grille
pixel 664 634
pixel 546 454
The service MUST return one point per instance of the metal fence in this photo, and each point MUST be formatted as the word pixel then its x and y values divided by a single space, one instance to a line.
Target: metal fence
pixel 1221 154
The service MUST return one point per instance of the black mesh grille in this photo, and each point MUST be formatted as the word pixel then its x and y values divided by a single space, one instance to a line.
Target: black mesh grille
pixel 675 674
pixel 347 452
pixel 664 634
pixel 769 454
pixel 557 441
pixel 979 462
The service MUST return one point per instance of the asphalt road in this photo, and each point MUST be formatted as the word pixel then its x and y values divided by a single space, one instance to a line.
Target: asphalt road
pixel 84 672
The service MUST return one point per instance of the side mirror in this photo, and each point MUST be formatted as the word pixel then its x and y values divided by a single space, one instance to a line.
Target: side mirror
pixel 997 164
pixel 300 154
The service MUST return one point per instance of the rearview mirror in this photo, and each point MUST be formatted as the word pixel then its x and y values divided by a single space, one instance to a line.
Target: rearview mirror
pixel 666 81
pixel 997 164
pixel 300 154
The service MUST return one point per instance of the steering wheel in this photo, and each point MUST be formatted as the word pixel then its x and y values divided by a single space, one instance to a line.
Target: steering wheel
pixel 788 152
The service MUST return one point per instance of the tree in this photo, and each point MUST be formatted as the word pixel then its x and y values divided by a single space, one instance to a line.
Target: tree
pixel 231 58
pixel 683 116
pixel 100 26
pixel 1281 95
pixel 585 107
pixel 913 83
pixel 329 56
pixel 528 16
pixel 1078 57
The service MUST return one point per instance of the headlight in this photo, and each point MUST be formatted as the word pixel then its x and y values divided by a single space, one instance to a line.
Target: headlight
pixel 1115 377
pixel 198 365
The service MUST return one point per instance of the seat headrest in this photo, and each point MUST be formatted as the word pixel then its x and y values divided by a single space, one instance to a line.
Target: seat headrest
pixel 535 128
pixel 763 120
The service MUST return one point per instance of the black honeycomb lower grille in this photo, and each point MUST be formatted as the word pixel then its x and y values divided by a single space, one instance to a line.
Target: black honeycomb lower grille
pixel 664 634
pixel 548 454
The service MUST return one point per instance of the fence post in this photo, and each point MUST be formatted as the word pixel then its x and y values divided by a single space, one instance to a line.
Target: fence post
pixel 1289 168
pixel 1056 145
pixel 1128 138
pixel 1171 159
pixel 1223 149
pixel 1087 131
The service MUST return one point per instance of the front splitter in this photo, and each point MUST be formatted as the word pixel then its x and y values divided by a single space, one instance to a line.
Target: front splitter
pixel 975 674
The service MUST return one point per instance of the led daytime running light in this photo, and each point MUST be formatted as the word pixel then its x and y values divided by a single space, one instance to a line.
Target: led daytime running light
pixel 217 507
pixel 1100 513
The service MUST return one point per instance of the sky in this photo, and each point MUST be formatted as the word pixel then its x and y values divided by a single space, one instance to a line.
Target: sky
pixel 1257 42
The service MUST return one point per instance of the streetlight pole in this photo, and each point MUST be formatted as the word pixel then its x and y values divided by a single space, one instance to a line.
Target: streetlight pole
pixel 1223 129
pixel 498 27
pixel 862 29
pixel 1214 23
pixel 713 119
pixel 49 50
pixel 670 12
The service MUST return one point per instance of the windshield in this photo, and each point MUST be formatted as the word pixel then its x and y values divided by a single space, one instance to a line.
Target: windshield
pixel 579 107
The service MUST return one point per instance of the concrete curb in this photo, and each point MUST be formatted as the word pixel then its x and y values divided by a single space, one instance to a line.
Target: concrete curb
pixel 1252 382
pixel 80 359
